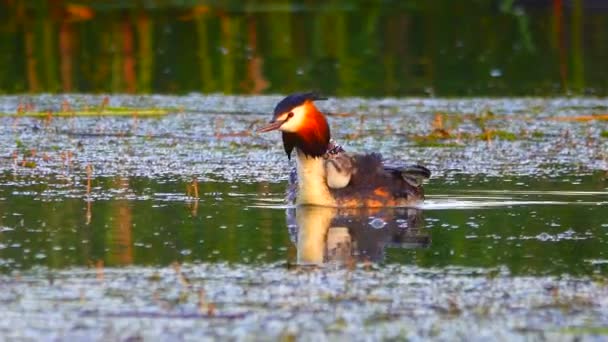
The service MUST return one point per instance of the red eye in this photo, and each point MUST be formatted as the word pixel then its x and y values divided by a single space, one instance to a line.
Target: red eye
pixel 289 115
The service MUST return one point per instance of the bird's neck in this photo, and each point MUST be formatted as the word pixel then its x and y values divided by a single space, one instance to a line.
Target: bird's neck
pixel 312 183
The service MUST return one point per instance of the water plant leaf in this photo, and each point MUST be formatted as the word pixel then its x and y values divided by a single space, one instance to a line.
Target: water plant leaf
pixel 105 111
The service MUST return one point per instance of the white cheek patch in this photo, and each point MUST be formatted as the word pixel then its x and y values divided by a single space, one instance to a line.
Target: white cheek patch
pixel 282 117
pixel 296 122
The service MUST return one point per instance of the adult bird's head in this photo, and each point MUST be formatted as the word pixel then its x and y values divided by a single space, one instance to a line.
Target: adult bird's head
pixel 302 125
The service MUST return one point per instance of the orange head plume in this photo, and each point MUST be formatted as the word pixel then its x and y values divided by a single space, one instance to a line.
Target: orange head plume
pixel 303 126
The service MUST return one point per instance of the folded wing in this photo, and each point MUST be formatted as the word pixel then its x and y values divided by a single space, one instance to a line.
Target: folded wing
pixel 413 174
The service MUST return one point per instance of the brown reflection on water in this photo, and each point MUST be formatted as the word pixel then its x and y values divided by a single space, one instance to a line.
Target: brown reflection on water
pixel 119 234
pixel 128 65
pixel 30 57
pixel 256 81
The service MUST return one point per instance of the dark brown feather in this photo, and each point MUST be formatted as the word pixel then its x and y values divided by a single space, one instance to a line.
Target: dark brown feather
pixel 373 181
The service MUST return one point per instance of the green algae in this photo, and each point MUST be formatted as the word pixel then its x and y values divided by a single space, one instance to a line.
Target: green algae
pixel 431 143
pixel 585 331
pixel 96 111
pixel 498 134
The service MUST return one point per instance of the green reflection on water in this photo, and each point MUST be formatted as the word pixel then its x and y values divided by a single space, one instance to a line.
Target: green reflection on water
pixel 59 232
pixel 363 48
pixel 152 222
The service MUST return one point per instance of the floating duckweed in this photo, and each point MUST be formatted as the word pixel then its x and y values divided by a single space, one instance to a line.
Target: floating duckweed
pixel 498 134
pixel 538 134
pixel 436 144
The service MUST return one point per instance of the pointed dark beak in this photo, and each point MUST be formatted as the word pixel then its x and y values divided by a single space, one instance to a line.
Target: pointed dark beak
pixel 271 126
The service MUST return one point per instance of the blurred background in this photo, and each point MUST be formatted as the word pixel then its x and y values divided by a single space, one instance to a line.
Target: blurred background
pixel 339 47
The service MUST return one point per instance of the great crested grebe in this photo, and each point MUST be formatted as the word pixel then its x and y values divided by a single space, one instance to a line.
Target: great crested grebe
pixel 326 175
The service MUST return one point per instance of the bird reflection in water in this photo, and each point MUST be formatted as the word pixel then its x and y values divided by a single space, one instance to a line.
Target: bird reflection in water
pixel 335 236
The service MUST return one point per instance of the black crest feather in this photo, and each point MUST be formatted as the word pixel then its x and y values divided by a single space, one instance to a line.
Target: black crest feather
pixel 294 100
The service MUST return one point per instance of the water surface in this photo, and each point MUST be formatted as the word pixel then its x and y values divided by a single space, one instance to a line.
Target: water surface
pixel 176 226
pixel 147 222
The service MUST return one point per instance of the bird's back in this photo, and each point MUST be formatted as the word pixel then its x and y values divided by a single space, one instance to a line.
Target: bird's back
pixel 374 184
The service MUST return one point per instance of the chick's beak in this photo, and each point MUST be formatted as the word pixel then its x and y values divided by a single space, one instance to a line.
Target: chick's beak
pixel 274 125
